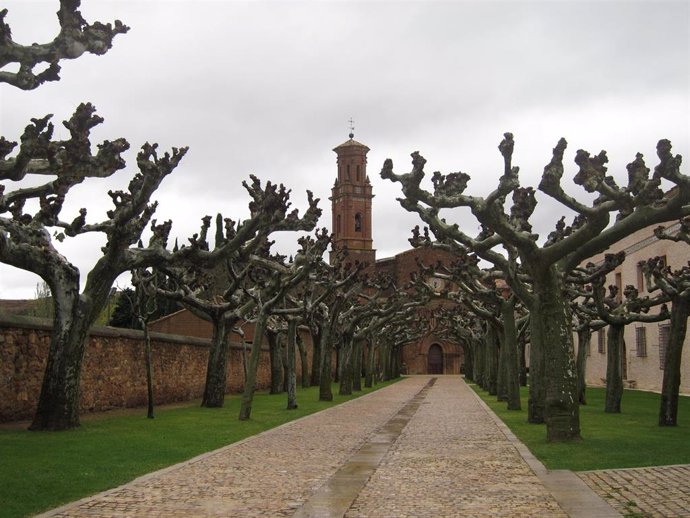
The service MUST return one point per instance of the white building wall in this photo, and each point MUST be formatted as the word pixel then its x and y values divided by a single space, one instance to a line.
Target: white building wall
pixel 643 372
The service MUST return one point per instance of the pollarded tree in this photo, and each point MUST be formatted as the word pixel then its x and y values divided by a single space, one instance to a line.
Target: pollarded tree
pixel 641 203
pixel 26 241
pixel 584 310
pixel 339 285
pixel 675 284
pixel 618 312
pixel 75 38
pixel 217 293
pixel 29 214
pixel 272 281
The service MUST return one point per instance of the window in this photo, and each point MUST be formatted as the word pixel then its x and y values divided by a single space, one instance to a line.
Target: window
pixel 601 337
pixel 619 285
pixel 337 224
pixel 641 341
pixel 640 278
pixel 664 332
pixel 348 171
pixel 358 222
pixel 358 172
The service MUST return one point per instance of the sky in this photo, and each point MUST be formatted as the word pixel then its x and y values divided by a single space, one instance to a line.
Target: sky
pixel 268 88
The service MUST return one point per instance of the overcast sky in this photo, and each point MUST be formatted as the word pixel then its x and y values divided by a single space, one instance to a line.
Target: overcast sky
pixel 268 88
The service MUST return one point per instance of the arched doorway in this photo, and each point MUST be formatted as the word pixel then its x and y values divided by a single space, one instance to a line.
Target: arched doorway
pixel 435 360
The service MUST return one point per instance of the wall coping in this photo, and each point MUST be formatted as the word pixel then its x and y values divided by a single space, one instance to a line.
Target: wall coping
pixel 45 324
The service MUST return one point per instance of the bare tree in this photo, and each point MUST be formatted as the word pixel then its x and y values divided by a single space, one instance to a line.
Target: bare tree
pixel 273 281
pixel 75 38
pixel 675 285
pixel 553 397
pixel 618 311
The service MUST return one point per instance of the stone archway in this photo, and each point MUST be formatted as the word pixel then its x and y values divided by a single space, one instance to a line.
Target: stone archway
pixel 435 360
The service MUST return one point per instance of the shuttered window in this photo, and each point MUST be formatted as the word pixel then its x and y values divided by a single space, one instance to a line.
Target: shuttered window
pixel 664 333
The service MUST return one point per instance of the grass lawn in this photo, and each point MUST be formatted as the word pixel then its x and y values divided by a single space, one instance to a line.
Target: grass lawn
pixel 629 439
pixel 42 470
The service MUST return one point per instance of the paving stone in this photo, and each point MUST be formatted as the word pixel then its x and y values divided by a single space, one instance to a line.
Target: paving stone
pixel 451 459
pixel 662 492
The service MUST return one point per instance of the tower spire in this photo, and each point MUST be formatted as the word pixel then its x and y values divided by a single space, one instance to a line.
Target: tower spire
pixel 351 198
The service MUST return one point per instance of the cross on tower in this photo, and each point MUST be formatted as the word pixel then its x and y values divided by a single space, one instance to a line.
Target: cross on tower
pixel 352 128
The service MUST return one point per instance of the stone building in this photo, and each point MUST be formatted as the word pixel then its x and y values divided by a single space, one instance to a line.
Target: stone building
pixel 351 209
pixel 352 227
pixel 645 344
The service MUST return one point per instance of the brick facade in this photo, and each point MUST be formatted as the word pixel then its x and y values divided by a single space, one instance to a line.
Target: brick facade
pixel 415 356
pixel 113 374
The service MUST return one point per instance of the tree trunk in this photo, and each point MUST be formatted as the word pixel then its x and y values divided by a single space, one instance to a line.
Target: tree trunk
pixel 512 381
pixel 357 346
pixel 316 357
pixel 478 363
pixel 304 362
pixel 284 358
pixel 216 369
pixel 292 374
pixel 338 361
pixel 396 362
pixel 491 361
pixel 346 366
pixel 369 367
pixel 276 358
pixel 668 412
pixel 250 385
pixel 58 403
pixel 325 381
pixel 385 355
pixel 468 367
pixel 614 368
pixel 149 369
pixel 537 382
pixel 561 409
pixel 501 374
pixel 584 338
pixel 522 363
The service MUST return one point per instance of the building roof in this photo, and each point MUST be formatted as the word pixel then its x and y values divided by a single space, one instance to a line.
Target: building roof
pixel 350 143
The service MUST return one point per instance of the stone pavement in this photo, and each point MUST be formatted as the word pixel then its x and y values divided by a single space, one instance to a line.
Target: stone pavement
pixel 423 447
pixel 658 492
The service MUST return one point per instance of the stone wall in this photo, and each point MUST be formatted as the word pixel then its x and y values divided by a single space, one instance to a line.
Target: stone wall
pixel 113 374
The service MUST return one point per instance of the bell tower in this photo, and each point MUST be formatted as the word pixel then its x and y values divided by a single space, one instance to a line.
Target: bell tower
pixel 351 203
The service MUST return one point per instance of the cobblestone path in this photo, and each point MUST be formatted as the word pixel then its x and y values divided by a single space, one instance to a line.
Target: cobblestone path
pixel 452 461
pixel 268 475
pixel 446 457
pixel 662 492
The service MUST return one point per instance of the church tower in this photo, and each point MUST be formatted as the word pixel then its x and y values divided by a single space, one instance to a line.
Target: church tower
pixel 351 203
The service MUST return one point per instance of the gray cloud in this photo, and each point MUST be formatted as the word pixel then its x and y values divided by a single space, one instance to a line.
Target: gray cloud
pixel 267 88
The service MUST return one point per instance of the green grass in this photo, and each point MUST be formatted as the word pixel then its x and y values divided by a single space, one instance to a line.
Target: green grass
pixel 629 439
pixel 42 470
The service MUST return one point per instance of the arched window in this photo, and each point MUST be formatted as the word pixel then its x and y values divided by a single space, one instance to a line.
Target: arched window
pixel 358 222
pixel 358 172
pixel 337 225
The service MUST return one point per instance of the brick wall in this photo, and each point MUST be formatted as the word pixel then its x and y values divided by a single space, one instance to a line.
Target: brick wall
pixel 113 373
